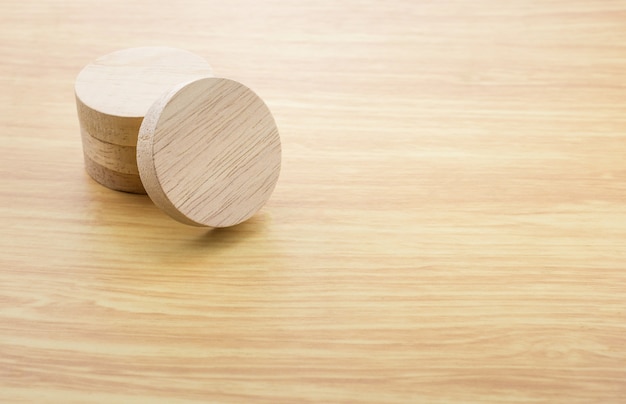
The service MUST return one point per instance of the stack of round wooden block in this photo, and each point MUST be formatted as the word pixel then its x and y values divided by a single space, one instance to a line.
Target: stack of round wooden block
pixel 154 120
pixel 113 95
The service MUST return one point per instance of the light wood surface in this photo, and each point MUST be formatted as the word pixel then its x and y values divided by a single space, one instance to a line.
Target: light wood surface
pixel 449 225
pixel 209 152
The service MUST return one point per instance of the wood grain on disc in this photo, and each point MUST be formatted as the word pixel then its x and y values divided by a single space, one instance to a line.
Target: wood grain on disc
pixel 209 153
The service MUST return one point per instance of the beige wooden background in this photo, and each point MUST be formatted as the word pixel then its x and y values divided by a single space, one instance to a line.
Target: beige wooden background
pixel 449 225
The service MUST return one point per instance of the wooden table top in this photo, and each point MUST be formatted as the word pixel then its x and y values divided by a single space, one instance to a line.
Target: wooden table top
pixel 449 225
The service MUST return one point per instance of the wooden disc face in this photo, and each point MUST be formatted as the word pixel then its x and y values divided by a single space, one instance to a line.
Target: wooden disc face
pixel 127 82
pixel 209 153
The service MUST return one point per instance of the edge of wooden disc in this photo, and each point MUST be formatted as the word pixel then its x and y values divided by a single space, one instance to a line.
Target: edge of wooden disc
pixel 108 128
pixel 122 159
pixel 112 179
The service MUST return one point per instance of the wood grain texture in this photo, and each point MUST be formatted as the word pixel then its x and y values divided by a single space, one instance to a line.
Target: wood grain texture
pixel 209 153
pixel 449 225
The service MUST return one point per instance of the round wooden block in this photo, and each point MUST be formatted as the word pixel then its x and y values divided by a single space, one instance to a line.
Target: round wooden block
pixel 209 153
pixel 114 92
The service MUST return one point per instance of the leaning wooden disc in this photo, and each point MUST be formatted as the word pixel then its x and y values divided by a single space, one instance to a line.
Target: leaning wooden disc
pixel 209 153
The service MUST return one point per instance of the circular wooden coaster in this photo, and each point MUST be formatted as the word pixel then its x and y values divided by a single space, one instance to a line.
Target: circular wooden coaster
pixel 209 153
pixel 114 92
